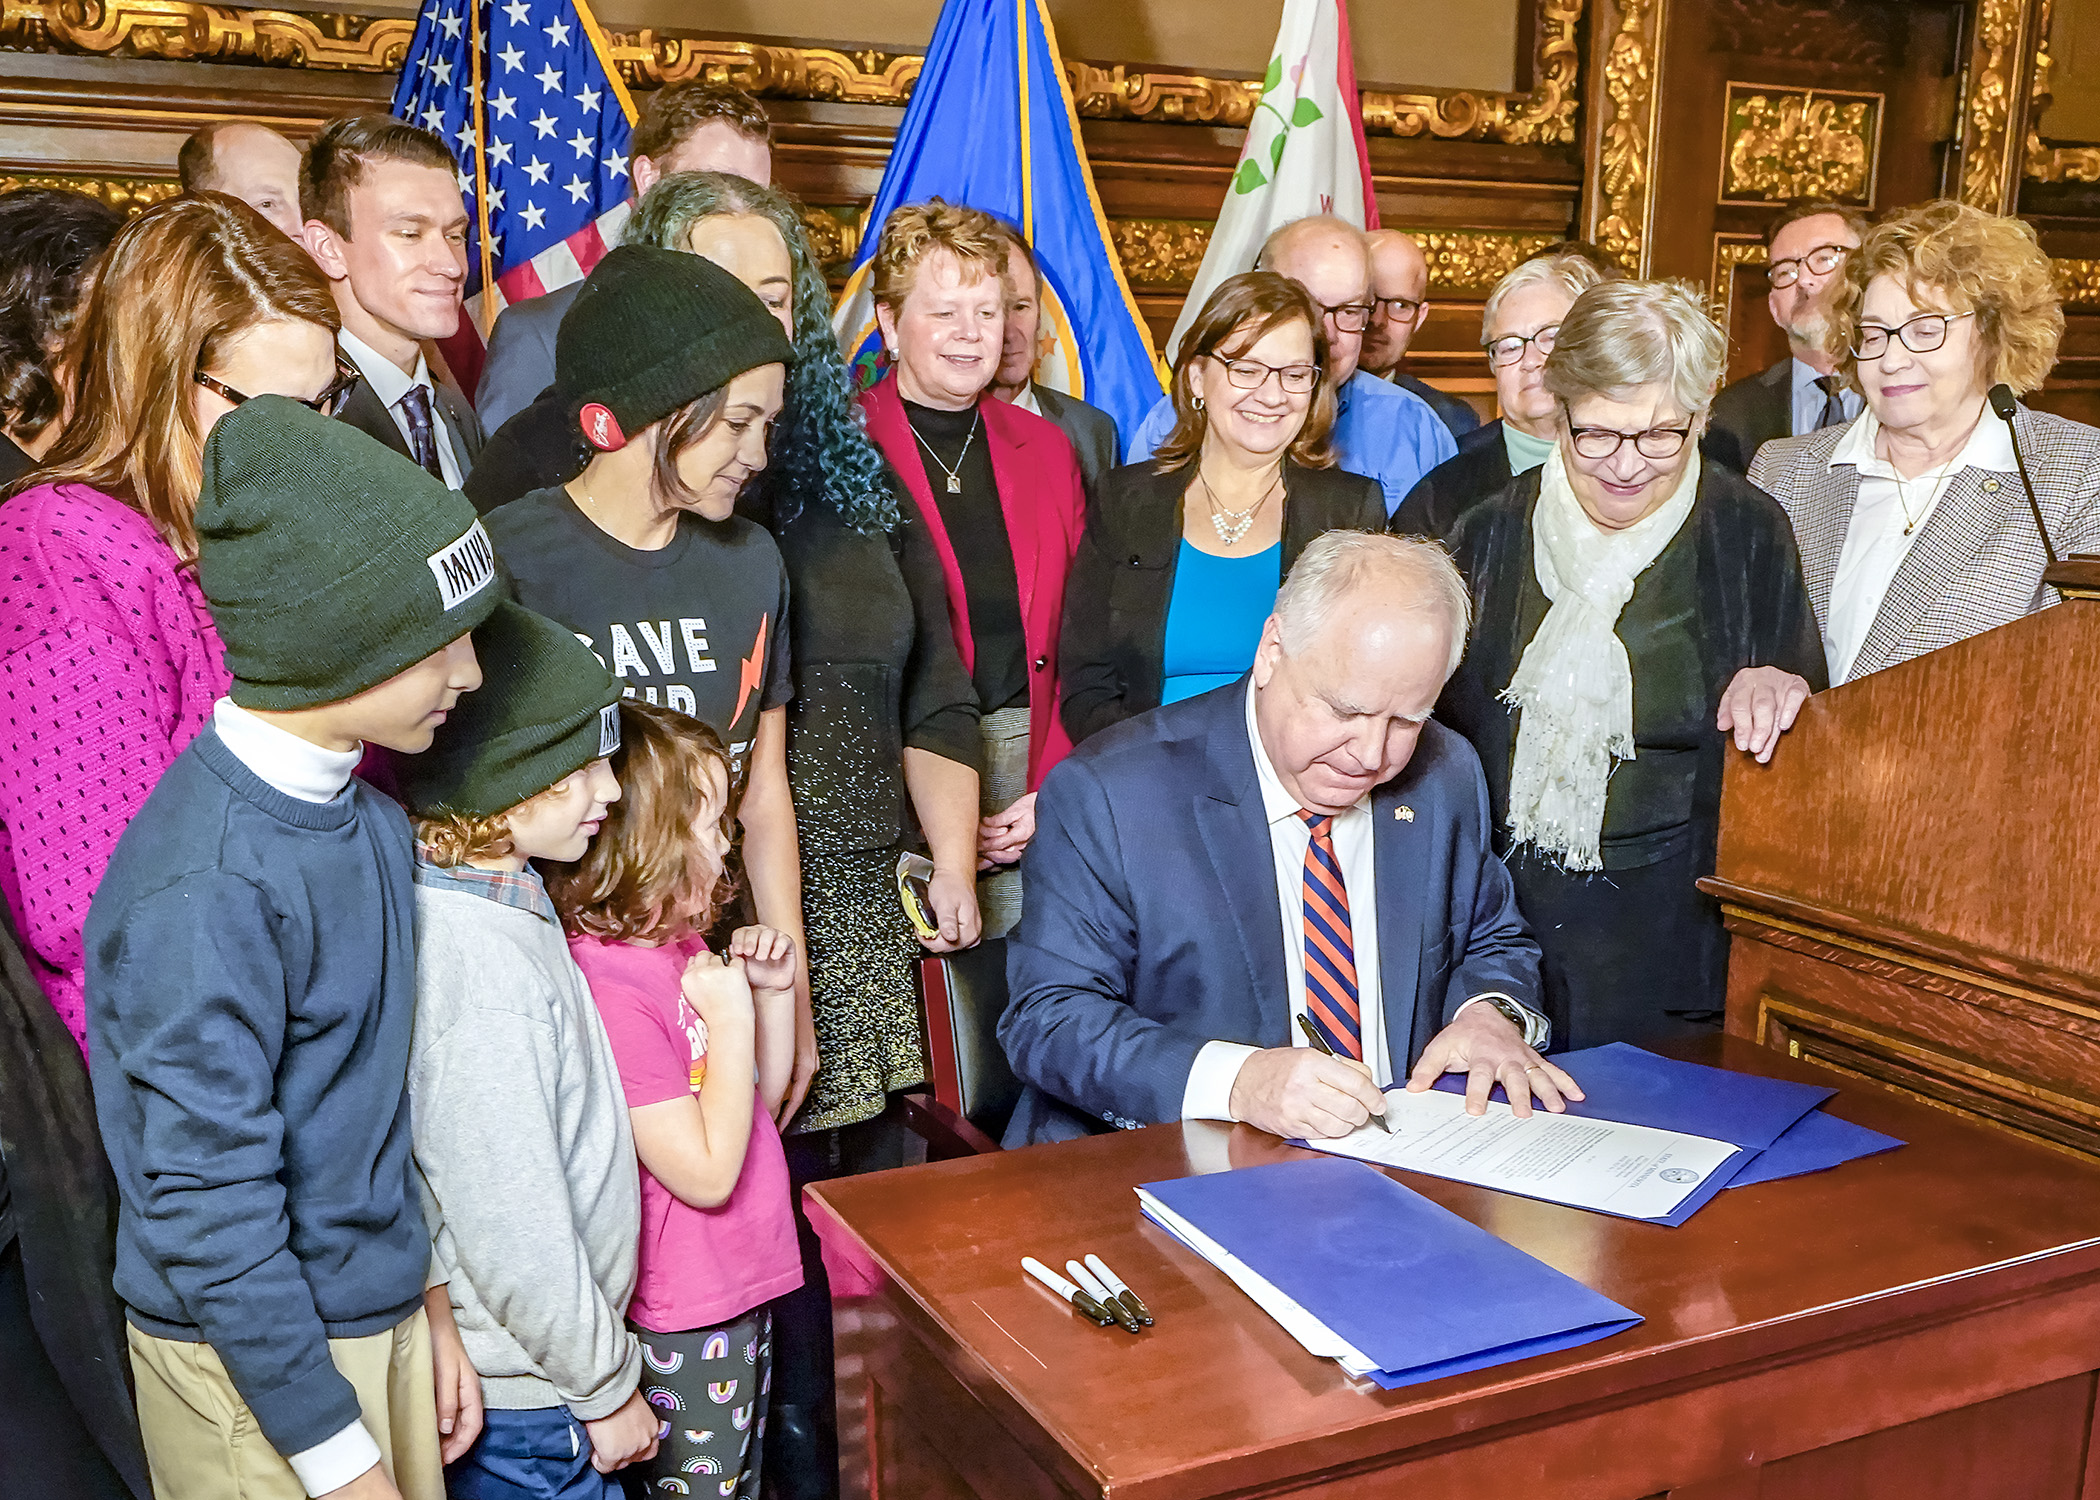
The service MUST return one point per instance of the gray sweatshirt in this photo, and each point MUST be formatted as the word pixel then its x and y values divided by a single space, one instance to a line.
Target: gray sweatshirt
pixel 526 1156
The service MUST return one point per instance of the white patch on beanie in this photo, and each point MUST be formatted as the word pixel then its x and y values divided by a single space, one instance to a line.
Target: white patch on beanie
pixel 608 730
pixel 464 568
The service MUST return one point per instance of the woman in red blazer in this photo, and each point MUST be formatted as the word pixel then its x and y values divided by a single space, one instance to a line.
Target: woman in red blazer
pixel 999 492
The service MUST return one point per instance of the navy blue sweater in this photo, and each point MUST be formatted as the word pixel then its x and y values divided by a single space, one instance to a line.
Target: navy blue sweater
pixel 251 985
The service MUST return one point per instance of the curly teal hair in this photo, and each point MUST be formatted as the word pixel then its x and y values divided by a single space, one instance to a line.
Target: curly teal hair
pixel 820 447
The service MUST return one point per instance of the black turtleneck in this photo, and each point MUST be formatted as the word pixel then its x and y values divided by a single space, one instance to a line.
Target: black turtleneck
pixel 977 531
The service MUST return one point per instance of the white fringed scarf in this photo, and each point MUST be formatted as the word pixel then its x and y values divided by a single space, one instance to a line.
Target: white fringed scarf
pixel 1574 686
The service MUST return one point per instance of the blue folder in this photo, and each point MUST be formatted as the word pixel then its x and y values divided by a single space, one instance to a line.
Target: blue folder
pixel 1629 1086
pixel 1411 1285
pixel 1814 1143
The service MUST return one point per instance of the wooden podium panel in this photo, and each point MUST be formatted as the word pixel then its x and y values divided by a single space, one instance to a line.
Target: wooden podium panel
pixel 1912 882
pixel 1923 1325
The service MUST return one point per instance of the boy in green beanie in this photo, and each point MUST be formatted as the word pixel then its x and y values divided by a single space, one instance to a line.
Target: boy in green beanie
pixel 251 988
pixel 521 1128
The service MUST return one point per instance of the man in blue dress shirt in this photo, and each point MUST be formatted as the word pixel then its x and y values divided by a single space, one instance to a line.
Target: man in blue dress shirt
pixel 1380 430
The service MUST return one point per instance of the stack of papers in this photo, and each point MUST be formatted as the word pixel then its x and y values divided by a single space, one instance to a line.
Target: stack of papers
pixel 1653 1139
pixel 1363 1271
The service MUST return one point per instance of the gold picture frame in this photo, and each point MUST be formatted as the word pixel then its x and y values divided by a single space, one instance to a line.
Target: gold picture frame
pixel 1786 143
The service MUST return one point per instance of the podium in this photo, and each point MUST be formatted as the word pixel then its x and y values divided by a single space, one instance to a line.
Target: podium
pixel 1913 883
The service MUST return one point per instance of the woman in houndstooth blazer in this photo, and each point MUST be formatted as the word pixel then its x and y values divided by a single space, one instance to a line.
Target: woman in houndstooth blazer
pixel 1913 528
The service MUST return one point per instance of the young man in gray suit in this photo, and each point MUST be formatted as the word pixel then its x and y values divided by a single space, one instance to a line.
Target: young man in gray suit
pixel 687 127
pixel 1092 430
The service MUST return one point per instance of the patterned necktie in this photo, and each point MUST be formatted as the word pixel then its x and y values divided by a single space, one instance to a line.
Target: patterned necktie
pixel 1833 403
pixel 422 435
pixel 1330 950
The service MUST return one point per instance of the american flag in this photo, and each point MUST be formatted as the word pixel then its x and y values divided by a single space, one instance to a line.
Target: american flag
pixel 525 94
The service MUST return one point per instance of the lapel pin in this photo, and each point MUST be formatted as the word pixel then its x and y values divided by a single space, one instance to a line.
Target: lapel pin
pixel 1404 813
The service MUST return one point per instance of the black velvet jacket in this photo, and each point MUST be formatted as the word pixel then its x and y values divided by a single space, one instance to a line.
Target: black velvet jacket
pixel 1112 652
pixel 1477 472
pixel 1753 612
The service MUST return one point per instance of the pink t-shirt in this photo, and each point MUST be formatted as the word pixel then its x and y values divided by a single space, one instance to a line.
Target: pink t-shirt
pixel 699 1267
pixel 109 665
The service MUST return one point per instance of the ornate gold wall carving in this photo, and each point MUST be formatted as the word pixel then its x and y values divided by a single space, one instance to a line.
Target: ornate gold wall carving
pixel 1172 98
pixel 1798 143
pixel 1624 189
pixel 2079 281
pixel 834 232
pixel 130 194
pixel 2062 163
pixel 1997 67
pixel 185 30
pixel 649 59
pixel 1730 251
pixel 1159 254
pixel 1545 116
pixel 1467 260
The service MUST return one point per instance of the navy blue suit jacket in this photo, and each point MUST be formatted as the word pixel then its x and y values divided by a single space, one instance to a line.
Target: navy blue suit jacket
pixel 1152 926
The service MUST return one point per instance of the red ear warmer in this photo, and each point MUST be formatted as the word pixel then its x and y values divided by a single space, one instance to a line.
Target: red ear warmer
pixel 601 429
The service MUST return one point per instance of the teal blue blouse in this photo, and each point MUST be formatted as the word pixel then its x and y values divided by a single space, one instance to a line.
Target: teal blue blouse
pixel 1214 617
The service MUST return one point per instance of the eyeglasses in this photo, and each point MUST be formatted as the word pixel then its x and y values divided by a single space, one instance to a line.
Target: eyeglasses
pixel 1511 348
pixel 1396 309
pixel 1349 317
pixel 1603 442
pixel 1822 260
pixel 1920 335
pixel 328 403
pixel 1250 374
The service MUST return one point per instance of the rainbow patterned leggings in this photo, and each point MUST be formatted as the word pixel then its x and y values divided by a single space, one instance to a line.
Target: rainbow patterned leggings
pixel 709 1388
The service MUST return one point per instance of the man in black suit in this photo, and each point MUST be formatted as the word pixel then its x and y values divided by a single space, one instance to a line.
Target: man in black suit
pixel 387 225
pixel 696 126
pixel 1092 430
pixel 1806 247
pixel 1399 289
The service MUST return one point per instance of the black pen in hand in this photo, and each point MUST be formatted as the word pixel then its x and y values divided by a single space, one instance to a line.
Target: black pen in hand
pixel 1312 1034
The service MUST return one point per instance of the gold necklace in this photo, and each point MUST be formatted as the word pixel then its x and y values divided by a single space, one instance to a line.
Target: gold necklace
pixel 1937 476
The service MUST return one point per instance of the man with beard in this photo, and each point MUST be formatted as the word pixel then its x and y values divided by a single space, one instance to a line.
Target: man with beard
pixel 1806 248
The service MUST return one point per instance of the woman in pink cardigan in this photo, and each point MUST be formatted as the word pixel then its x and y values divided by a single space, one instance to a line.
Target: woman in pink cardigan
pixel 109 664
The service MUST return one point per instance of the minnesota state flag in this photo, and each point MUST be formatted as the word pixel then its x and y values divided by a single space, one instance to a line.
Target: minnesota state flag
pixel 991 125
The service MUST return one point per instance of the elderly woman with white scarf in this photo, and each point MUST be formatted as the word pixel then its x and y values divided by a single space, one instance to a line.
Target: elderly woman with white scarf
pixel 1634 611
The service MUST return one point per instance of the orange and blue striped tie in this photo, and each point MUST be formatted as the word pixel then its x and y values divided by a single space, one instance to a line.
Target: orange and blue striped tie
pixel 1330 950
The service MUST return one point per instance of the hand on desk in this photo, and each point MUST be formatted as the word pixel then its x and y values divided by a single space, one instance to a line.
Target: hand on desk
pixel 1301 1094
pixel 1484 1046
pixel 1760 705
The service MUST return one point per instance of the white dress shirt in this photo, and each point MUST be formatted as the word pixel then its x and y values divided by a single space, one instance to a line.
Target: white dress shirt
pixel 1026 400
pixel 1808 399
pixel 1875 543
pixel 390 385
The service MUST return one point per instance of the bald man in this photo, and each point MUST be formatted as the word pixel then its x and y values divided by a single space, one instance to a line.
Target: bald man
pixel 1399 293
pixel 250 162
pixel 1380 431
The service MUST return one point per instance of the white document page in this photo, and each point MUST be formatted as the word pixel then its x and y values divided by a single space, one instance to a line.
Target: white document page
pixel 1595 1164
pixel 1315 1337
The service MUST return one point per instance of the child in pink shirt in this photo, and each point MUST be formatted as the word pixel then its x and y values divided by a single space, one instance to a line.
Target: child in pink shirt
pixel 705 1044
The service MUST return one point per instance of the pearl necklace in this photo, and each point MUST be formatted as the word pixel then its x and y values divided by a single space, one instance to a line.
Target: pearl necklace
pixel 1231 525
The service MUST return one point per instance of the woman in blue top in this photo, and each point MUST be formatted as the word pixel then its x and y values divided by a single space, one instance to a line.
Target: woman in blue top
pixel 1183 554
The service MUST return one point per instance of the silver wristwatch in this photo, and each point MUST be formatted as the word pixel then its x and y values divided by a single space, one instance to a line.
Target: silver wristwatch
pixel 1537 1030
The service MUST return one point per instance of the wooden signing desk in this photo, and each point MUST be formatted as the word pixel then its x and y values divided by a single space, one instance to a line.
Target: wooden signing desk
pixel 1923 1325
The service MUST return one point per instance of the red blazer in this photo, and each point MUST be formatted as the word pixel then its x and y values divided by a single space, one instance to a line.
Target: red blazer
pixel 1039 491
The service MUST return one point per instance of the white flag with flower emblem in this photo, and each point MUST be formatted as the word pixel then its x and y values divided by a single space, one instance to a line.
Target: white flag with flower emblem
pixel 1304 152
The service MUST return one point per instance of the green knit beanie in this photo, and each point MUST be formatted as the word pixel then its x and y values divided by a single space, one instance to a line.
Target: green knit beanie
pixel 330 562
pixel 653 329
pixel 546 709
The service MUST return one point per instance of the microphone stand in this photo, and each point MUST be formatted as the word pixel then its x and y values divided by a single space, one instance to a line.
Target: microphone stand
pixel 2003 403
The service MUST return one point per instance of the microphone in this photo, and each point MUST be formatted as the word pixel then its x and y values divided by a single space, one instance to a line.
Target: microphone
pixel 2002 402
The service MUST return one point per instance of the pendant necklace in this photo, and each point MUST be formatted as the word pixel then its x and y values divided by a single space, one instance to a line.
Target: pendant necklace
pixel 954 474
pixel 1231 525
pixel 1937 477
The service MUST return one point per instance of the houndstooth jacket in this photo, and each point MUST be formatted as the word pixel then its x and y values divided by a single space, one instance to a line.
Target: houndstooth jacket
pixel 1978 562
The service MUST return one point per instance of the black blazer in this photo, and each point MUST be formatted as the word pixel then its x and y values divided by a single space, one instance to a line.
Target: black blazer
pixel 1478 472
pixel 1112 651
pixel 1092 431
pixel 1753 612
pixel 1749 414
pixel 368 414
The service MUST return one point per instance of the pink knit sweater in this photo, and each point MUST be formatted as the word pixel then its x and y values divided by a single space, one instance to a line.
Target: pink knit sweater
pixel 109 665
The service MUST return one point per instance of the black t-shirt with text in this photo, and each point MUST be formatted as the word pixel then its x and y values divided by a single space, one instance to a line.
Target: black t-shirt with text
pixel 700 625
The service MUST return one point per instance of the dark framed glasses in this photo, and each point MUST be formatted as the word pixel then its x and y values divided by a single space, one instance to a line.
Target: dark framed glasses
pixel 328 403
pixel 1250 374
pixel 1920 335
pixel 1822 261
pixel 1396 309
pixel 1511 348
pixel 1349 317
pixel 1603 442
